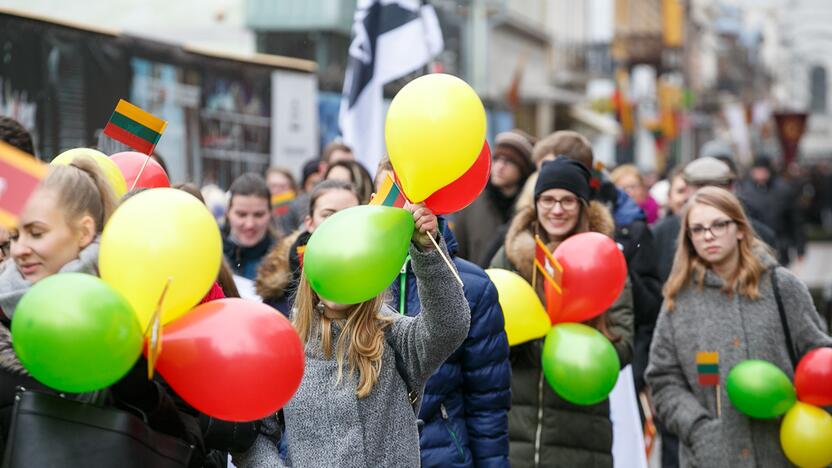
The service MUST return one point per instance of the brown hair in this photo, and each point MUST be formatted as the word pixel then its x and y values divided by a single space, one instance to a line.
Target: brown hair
pixel 688 266
pixel 331 148
pixel 328 186
pixel 566 143
pixel 82 189
pixel 360 178
pixel 360 343
pixel 285 172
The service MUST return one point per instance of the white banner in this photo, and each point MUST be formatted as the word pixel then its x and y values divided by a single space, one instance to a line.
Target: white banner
pixel 294 119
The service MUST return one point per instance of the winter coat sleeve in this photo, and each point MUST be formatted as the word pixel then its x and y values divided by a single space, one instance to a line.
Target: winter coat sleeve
pixel 486 375
pixel 642 263
pixel 620 324
pixel 676 406
pixel 805 323
pixel 425 341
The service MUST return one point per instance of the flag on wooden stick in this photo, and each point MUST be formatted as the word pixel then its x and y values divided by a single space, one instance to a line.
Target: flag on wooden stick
pixel 135 127
pixel 389 194
pixel 548 266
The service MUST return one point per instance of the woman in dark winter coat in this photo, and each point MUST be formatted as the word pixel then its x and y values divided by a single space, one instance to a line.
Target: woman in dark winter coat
pixel 720 297
pixel 466 402
pixel 544 429
pixel 246 237
pixel 58 233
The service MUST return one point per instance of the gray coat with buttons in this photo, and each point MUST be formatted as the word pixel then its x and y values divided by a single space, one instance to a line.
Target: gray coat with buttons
pixel 738 328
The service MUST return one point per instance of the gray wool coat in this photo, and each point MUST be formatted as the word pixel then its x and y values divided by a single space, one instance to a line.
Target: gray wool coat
pixel 739 329
pixel 328 426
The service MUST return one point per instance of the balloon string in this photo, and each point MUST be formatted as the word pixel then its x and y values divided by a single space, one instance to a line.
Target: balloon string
pixel 138 176
pixel 447 262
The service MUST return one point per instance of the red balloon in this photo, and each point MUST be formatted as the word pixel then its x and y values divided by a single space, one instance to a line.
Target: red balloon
pixel 130 163
pixel 594 273
pixel 233 359
pixel 464 190
pixel 813 377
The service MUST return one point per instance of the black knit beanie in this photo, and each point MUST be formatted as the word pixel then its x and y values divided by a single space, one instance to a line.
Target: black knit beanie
pixel 563 173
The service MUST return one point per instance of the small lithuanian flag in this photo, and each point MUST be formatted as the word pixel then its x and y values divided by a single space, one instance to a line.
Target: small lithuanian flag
pixel 281 202
pixel 20 174
pixel 135 127
pixel 389 194
pixel 707 366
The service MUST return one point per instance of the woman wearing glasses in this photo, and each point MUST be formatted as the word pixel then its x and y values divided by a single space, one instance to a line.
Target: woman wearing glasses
pixel 545 430
pixel 720 298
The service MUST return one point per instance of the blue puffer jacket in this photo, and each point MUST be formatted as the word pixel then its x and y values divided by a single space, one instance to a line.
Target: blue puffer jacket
pixel 466 402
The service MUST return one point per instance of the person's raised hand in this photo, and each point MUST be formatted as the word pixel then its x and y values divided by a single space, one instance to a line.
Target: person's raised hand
pixel 426 225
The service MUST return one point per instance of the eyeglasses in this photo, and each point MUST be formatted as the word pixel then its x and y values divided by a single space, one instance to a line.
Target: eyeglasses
pixel 566 203
pixel 717 229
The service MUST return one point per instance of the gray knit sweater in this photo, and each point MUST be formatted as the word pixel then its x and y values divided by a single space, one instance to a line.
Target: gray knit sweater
pixel 739 329
pixel 328 426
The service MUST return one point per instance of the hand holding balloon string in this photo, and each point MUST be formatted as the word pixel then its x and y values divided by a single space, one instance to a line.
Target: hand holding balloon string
pixel 426 224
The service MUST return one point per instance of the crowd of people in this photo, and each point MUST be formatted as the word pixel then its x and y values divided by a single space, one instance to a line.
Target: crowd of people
pixel 423 374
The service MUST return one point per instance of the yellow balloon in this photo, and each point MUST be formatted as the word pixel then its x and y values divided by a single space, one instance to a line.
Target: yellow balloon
pixel 435 130
pixel 806 436
pixel 108 167
pixel 159 234
pixel 525 317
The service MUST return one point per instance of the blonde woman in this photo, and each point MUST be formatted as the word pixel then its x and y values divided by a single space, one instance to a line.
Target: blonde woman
pixel 365 367
pixel 720 298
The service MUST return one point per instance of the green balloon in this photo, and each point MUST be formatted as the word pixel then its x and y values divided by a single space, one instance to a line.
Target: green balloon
pixel 580 363
pixel 760 389
pixel 76 334
pixel 357 253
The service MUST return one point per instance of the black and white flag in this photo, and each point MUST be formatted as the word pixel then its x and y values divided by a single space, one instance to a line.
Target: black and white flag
pixel 390 38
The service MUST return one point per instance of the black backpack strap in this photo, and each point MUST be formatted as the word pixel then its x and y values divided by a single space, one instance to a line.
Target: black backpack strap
pixel 783 320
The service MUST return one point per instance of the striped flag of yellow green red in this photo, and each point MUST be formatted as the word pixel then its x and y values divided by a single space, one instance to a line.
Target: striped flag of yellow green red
pixel 281 202
pixel 707 366
pixel 389 194
pixel 135 127
pixel 20 174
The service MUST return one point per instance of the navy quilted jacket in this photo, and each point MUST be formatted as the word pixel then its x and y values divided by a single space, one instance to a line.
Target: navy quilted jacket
pixel 466 402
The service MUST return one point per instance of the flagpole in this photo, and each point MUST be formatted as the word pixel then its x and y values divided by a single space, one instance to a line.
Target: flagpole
pixel 718 402
pixel 138 176
pixel 447 262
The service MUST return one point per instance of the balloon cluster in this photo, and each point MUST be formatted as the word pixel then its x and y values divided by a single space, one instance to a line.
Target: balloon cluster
pixel 435 134
pixel 761 390
pixel 579 362
pixel 160 253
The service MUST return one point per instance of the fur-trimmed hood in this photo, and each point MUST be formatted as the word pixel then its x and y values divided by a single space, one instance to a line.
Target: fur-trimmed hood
pixel 519 245
pixel 274 273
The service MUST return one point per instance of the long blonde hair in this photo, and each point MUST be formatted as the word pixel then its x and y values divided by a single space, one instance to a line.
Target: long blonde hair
pixel 360 343
pixel 688 265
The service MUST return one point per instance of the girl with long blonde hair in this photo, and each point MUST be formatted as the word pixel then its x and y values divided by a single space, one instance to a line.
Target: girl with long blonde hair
pixel 365 368
pixel 727 295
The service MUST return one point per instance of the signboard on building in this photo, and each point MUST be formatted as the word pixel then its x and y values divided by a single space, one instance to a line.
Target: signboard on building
pixel 294 119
